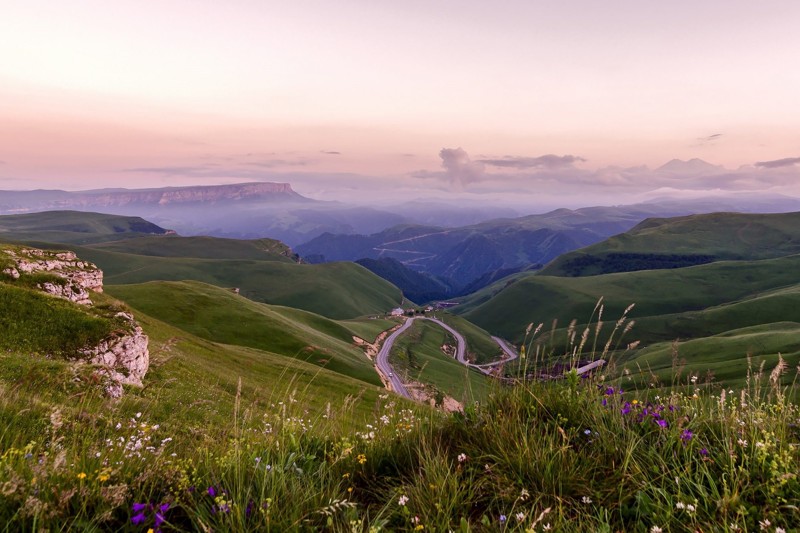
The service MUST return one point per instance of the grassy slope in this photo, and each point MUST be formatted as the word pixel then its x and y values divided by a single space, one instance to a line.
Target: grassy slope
pixel 480 346
pixel 335 290
pixel 202 248
pixel 726 356
pixel 221 316
pixel 74 227
pixel 190 387
pixel 723 235
pixel 417 356
pixel 658 292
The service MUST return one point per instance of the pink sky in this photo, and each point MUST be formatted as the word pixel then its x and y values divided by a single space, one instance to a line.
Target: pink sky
pixel 367 94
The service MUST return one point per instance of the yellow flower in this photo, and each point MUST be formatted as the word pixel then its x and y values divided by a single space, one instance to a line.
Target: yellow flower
pixel 362 458
pixel 634 402
pixel 82 475
pixel 102 477
pixel 419 528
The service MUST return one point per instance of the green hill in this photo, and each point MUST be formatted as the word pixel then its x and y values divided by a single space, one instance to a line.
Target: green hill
pixel 656 293
pixel 203 248
pixel 73 227
pixel 685 241
pixel 219 315
pixel 264 270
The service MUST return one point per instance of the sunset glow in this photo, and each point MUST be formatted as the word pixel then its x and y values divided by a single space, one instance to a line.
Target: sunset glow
pixel 366 95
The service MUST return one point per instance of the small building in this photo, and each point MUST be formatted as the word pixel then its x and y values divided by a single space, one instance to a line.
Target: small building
pixel 398 311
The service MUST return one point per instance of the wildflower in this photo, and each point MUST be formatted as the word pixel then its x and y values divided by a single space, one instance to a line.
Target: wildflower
pixel 362 458
pixel 780 530
pixel 704 451
pixel 686 435
pixel 212 491
pixel 626 408
pixel 82 476
pixel 690 508
pixel 462 457
pixel 523 495
pixel 764 524
pixel 634 402
pixel 742 443
pixel 655 529
pixel 403 500
pixel 586 499
pixel 546 527
pixel 520 516
pixel 138 519
pixel 587 431
pixel 502 519
pixel 680 505
pixel 139 415
pixel 661 422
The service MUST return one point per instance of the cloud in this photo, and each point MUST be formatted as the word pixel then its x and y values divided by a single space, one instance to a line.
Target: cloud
pixel 330 152
pixel 548 161
pixel 460 170
pixel 707 140
pixel 779 163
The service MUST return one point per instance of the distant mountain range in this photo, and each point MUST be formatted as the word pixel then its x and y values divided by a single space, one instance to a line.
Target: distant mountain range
pixel 467 258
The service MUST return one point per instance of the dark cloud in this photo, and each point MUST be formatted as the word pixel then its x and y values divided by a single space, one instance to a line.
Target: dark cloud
pixel 548 161
pixel 779 163
pixel 459 168
pixel 330 152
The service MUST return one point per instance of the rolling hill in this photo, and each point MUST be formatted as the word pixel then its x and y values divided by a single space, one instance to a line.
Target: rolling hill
pixel 263 270
pixel 685 241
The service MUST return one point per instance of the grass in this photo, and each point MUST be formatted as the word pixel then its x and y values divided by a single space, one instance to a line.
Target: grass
pixel 418 356
pixel 73 227
pixel 569 455
pixel 336 290
pixel 218 315
pixel 657 293
pixel 720 235
pixel 481 348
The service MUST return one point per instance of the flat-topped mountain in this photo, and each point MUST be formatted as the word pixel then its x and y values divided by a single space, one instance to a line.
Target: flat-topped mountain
pixel 21 201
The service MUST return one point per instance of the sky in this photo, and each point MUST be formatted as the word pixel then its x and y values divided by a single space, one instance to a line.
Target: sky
pixel 580 100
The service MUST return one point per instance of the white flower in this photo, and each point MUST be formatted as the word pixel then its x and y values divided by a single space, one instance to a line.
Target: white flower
pixel 780 530
pixel 462 457
pixel 691 508
pixel 743 443
pixel 655 529
pixel 764 524
pixel 403 500
pixel 680 505
pixel 546 527
pixel 520 517
pixel 138 415
pixel 586 499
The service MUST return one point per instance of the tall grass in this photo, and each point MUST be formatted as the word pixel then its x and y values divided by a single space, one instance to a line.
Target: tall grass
pixel 602 453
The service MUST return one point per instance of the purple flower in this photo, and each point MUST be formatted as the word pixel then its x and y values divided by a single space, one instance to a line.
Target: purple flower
pixel 249 510
pixel 626 408
pixel 604 402
pixel 164 507
pixel 704 451
pixel 138 519
pixel 661 422
pixel 502 519
pixel 212 491
pixel 609 391
pixel 686 435
pixel 138 507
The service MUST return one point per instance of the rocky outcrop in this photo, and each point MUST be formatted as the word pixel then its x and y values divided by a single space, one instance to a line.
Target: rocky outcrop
pixel 123 356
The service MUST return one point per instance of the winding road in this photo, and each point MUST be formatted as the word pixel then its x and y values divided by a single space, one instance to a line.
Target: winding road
pixel 382 359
